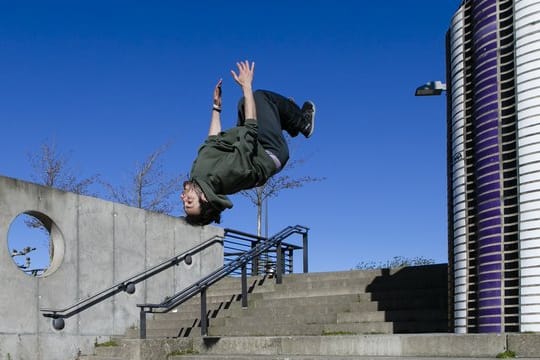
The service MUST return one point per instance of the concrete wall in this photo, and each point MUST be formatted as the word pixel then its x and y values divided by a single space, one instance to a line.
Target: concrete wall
pixel 97 244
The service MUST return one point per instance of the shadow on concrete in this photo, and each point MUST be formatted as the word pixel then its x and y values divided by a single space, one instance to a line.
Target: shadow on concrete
pixel 414 299
pixel 216 309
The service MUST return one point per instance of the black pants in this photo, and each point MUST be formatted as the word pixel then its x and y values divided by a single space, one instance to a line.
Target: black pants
pixel 275 113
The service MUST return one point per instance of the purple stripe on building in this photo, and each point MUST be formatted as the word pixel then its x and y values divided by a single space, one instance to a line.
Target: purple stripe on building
pixel 487 164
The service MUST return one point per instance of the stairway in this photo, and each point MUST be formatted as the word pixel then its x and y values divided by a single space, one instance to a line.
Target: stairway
pixel 330 308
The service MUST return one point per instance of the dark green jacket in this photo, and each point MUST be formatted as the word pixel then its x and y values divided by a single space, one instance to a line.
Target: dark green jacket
pixel 230 162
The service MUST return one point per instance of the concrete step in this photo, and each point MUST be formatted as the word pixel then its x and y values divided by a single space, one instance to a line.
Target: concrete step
pixel 419 327
pixel 320 314
pixel 343 278
pixel 296 292
pixel 234 285
pixel 279 299
pixel 359 325
pixel 314 357
pixel 119 350
pixel 264 315
pixel 416 276
pixel 335 275
pixel 287 329
pixel 272 319
pixel 109 351
pixel 273 330
pixel 406 301
pixel 214 299
pixel 193 329
pixel 419 345
pixel 323 304
pixel 390 299
pixel 362 302
pixel 401 322
pixel 149 349
pixel 291 293
pixel 394 315
pixel 400 292
pixel 344 347
pixel 279 292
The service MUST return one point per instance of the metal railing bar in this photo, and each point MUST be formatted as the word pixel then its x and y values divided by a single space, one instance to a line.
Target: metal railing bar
pixel 234 253
pixel 229 248
pixel 241 243
pixel 228 245
pixel 229 231
pixel 125 284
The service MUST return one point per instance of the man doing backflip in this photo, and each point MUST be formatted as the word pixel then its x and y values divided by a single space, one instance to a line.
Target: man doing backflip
pixel 247 155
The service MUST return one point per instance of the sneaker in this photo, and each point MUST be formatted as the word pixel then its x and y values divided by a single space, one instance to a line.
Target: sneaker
pixel 308 112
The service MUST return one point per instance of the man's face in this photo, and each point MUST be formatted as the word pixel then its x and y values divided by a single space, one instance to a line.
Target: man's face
pixel 191 200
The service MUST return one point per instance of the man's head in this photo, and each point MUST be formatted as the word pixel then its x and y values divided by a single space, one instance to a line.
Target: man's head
pixel 198 210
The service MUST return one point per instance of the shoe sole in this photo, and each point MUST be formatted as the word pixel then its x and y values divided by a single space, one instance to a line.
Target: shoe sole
pixel 312 119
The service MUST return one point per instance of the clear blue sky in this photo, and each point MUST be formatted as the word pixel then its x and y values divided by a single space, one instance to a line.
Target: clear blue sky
pixel 111 81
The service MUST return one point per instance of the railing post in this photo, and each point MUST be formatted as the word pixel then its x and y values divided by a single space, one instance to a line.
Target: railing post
pixel 244 287
pixel 142 324
pixel 290 261
pixel 254 261
pixel 279 263
pixel 204 318
pixel 305 247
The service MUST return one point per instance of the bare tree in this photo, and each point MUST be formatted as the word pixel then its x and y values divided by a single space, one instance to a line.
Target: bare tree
pixel 52 168
pixel 274 186
pixel 150 187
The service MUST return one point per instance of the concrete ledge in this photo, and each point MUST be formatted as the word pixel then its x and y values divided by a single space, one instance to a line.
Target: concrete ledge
pixel 460 345
pixel 413 345
pixel 372 345
pixel 524 345
pixel 135 349
pixel 423 346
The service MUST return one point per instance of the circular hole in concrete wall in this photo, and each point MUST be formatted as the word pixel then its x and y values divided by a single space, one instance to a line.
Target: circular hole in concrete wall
pixel 35 244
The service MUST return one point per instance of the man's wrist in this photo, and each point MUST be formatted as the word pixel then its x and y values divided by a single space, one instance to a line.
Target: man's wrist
pixel 216 108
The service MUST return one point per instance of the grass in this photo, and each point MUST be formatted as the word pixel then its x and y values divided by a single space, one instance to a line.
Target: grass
pixel 107 343
pixel 182 352
pixel 508 354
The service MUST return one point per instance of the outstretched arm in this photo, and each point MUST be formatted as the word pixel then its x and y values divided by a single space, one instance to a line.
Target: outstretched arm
pixel 244 78
pixel 215 121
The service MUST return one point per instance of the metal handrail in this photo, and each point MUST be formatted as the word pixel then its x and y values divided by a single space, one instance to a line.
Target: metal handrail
pixel 236 242
pixel 241 261
pixel 128 285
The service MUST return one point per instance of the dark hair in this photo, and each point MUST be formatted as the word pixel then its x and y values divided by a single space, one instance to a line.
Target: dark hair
pixel 207 215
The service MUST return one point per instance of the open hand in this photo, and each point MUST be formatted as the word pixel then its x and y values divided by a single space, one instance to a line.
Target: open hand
pixel 244 78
